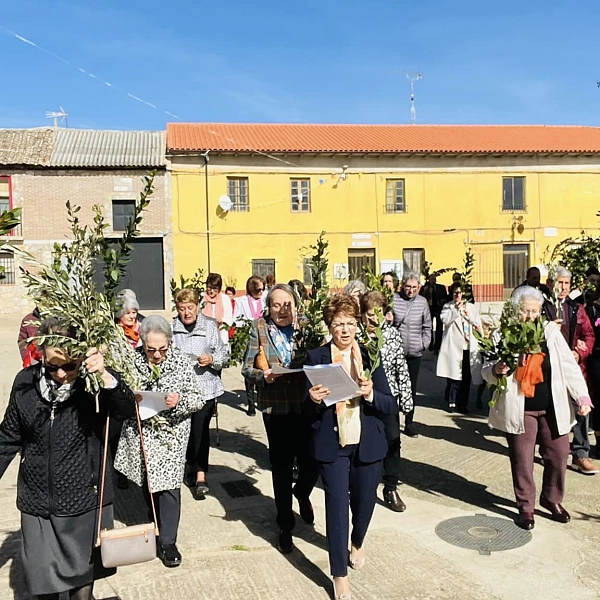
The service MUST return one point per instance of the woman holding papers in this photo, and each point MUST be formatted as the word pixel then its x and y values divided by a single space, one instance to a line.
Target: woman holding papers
pixel 162 368
pixel 348 440
pixel 272 344
pixel 197 336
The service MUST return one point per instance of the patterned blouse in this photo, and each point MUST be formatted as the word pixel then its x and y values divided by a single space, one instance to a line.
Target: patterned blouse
pixel 395 367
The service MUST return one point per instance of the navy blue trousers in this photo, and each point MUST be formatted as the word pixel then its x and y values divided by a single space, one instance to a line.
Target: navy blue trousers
pixel 348 474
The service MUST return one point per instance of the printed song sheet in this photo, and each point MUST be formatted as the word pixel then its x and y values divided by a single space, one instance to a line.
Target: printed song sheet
pixel 340 385
pixel 151 404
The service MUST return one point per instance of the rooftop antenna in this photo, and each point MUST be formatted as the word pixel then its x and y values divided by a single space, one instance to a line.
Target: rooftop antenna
pixel 56 115
pixel 412 77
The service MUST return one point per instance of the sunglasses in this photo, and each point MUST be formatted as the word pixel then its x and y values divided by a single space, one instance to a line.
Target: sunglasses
pixel 67 367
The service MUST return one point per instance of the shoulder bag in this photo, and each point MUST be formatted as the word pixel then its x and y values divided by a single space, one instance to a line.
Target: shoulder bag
pixel 127 545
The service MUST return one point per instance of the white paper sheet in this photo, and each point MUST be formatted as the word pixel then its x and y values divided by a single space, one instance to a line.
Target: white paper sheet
pixel 334 377
pixel 279 370
pixel 151 404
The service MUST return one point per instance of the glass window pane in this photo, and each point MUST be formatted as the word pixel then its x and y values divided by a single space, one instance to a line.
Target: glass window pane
pixel 507 193
pixel 518 199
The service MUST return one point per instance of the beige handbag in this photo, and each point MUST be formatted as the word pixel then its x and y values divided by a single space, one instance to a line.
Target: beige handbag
pixel 127 545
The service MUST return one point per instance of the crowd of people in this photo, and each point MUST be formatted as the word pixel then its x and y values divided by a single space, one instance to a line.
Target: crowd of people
pixel 352 445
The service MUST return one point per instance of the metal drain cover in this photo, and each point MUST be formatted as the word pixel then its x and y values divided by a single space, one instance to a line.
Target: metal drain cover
pixel 240 488
pixel 482 533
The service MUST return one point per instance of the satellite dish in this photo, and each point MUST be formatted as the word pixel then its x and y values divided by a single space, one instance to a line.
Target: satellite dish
pixel 225 203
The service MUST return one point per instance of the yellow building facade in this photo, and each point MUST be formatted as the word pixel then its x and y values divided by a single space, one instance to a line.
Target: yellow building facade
pixel 251 209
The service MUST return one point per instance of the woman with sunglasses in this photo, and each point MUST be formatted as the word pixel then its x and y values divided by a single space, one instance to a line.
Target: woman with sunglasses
pixel 459 360
pixel 348 440
pixel 162 368
pixel 53 422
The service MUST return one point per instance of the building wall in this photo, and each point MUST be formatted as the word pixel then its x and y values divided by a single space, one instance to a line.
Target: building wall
pixel 460 194
pixel 43 192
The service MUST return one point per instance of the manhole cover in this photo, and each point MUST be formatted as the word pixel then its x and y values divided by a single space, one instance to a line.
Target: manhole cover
pixel 240 488
pixel 482 533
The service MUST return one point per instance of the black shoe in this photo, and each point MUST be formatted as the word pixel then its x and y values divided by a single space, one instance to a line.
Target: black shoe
pixel 251 411
pixel 393 501
pixel 525 520
pixel 168 554
pixel 285 543
pixel 200 490
pixel 410 431
pixel 190 480
pixel 306 510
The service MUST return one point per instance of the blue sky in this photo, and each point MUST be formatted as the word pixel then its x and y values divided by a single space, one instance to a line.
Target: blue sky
pixel 314 61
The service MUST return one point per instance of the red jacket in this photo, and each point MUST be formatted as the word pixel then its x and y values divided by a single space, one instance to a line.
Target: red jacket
pixel 27 331
pixel 579 328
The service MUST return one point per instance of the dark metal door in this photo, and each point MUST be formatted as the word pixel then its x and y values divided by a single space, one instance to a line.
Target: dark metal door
pixel 145 273
pixel 516 262
pixel 359 258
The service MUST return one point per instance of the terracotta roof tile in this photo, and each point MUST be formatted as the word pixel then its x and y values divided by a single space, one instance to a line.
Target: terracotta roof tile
pixel 31 147
pixel 393 139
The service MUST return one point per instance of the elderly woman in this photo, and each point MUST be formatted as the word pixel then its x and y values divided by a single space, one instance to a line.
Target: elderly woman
pixel 218 305
pixel 348 440
pixel 198 336
pixel 52 421
pixel 127 318
pixel 249 308
pixel 280 400
pixel 544 416
pixel 459 360
pixel 162 368
pixel 355 289
pixel 396 371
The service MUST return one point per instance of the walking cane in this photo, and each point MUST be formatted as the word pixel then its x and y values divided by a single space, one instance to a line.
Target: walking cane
pixel 216 415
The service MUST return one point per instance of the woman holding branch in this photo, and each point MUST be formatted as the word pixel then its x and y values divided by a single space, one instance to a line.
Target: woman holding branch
pixel 348 440
pixel 532 406
pixel 53 422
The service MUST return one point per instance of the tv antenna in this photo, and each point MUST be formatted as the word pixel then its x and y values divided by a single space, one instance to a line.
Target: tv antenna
pixel 412 78
pixel 56 115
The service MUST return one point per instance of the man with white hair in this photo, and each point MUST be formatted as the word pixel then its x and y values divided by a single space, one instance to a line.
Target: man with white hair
pixel 578 332
pixel 413 318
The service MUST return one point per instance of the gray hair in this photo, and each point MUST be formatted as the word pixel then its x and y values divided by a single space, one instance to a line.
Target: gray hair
pixel 563 272
pixel 125 303
pixel 411 275
pixel 156 324
pixel 355 285
pixel 526 292
pixel 284 287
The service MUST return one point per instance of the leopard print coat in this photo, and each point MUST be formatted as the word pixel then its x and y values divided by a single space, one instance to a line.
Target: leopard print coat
pixel 396 369
pixel 166 435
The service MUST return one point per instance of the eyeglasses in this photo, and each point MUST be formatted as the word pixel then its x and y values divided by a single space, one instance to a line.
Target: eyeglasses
pixel 411 287
pixel 67 367
pixel 162 351
pixel 260 290
pixel 350 326
pixel 530 313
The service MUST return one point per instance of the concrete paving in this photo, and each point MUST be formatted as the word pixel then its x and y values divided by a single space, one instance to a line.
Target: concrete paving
pixel 457 467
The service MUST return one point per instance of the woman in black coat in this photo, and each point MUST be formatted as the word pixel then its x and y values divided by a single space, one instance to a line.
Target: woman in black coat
pixel 348 440
pixel 53 422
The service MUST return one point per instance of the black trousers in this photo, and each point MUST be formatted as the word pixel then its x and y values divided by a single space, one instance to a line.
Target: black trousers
pixel 250 393
pixel 594 380
pixel 437 332
pixel 457 391
pixel 349 484
pixel 414 365
pixel 288 437
pixel 168 512
pixel 391 462
pixel 199 442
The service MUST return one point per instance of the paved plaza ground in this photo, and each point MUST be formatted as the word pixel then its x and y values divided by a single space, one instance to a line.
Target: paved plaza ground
pixel 457 467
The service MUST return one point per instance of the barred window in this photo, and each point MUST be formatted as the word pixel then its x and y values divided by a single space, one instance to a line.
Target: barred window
pixel 7 268
pixel 300 195
pixel 513 193
pixel 4 194
pixel 237 190
pixel 395 202
pixel 123 212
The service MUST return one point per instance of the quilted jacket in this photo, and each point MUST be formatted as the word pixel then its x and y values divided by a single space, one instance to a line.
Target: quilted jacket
pixel 61 448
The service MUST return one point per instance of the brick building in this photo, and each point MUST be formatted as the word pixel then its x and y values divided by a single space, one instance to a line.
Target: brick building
pixel 40 169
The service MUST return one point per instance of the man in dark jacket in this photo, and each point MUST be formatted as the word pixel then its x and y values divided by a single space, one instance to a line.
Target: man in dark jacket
pixel 436 296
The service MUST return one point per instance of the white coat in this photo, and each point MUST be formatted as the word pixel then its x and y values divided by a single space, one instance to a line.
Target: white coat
pixel 242 310
pixel 449 362
pixel 509 412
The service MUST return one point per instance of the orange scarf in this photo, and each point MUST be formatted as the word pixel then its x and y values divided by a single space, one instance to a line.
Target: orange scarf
pixel 344 410
pixel 529 373
pixel 132 333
